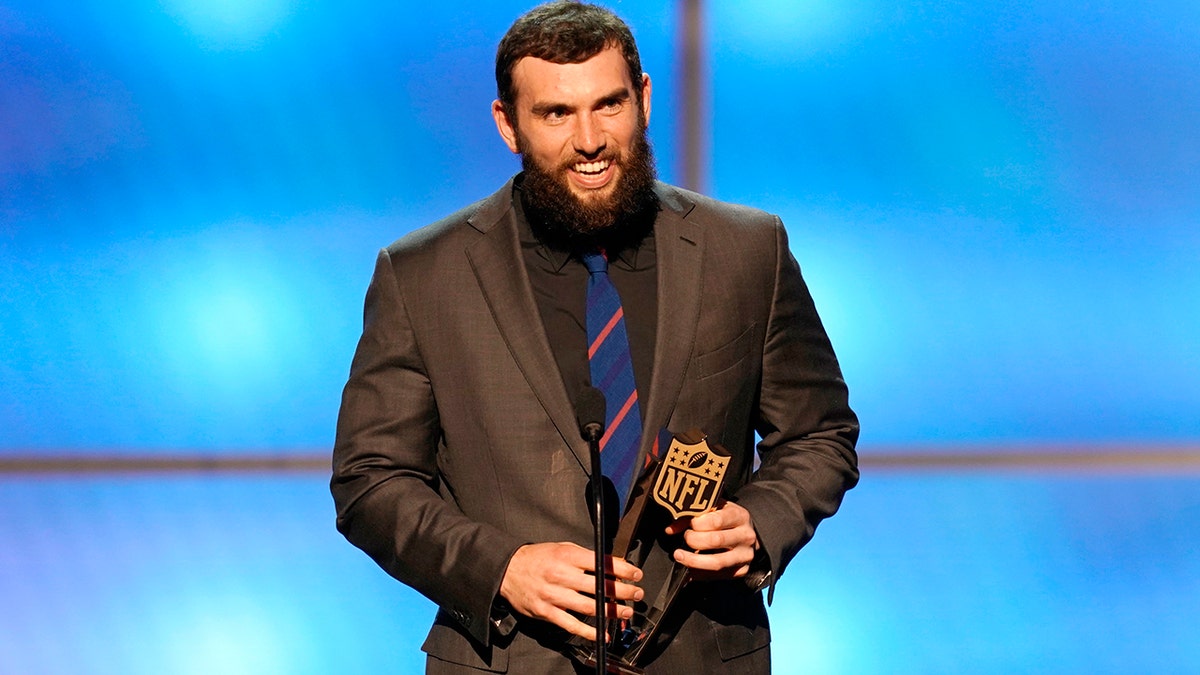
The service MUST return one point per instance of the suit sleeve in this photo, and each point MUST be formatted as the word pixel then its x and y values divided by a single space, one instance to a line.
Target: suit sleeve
pixel 804 419
pixel 385 473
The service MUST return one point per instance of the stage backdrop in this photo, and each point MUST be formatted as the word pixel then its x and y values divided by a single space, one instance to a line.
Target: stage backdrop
pixel 994 204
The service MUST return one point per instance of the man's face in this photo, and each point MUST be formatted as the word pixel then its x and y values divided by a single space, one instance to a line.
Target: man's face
pixel 577 122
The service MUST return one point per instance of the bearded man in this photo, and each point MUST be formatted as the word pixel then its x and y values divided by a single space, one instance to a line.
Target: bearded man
pixel 459 466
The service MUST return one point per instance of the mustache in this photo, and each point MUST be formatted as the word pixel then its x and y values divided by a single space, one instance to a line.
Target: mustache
pixel 611 156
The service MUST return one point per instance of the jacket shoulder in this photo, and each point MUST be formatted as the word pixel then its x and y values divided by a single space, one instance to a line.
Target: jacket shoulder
pixel 461 225
pixel 705 210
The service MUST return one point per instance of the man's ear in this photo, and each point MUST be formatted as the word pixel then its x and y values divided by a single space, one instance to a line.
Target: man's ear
pixel 508 130
pixel 646 98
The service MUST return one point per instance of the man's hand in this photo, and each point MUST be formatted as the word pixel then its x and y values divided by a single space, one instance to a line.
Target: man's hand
pixel 549 581
pixel 727 538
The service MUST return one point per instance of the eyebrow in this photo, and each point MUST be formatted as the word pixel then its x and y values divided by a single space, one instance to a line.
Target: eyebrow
pixel 620 94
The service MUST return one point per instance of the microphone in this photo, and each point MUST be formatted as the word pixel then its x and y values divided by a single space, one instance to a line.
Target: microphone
pixel 590 409
pixel 589 412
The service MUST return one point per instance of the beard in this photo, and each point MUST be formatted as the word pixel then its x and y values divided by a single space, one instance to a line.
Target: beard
pixel 618 221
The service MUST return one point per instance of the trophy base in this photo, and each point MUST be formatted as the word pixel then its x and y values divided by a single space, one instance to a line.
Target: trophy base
pixel 588 658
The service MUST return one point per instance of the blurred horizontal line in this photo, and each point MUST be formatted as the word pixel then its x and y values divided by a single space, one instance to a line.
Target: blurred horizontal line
pixel 1132 460
pixel 1123 460
pixel 78 463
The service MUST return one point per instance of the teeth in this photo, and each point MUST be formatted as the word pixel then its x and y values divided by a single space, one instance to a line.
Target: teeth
pixel 591 167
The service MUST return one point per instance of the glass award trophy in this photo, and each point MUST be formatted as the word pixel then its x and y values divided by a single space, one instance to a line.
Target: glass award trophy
pixel 685 481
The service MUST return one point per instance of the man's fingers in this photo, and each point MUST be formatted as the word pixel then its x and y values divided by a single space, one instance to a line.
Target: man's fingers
pixel 707 541
pixel 583 583
pixel 708 522
pixel 562 613
pixel 720 539
pixel 722 542
pixel 619 590
pixel 736 560
pixel 617 611
pixel 622 569
pixel 556 583
pixel 727 517
pixel 569 623
pixel 574 626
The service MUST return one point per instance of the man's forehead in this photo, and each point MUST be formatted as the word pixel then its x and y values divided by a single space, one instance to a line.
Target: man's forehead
pixel 595 76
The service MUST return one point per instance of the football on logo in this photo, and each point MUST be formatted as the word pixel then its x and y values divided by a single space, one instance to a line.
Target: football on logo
pixel 698 460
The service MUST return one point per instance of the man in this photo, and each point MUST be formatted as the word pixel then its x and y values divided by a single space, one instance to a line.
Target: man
pixel 459 464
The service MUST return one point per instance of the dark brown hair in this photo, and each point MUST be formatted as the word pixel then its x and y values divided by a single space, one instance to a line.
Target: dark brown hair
pixel 563 32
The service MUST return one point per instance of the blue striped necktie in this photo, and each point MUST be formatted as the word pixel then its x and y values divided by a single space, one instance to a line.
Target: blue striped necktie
pixel 612 373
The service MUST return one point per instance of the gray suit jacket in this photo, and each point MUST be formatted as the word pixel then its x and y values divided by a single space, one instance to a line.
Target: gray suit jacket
pixel 457 442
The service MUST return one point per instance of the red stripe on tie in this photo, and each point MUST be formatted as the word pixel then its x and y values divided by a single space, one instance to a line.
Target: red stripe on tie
pixel 617 420
pixel 612 323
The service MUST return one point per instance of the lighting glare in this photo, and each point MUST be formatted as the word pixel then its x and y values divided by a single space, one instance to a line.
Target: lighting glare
pixel 229 639
pixel 231 24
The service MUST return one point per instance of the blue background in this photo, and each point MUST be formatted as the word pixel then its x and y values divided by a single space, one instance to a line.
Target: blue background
pixel 994 204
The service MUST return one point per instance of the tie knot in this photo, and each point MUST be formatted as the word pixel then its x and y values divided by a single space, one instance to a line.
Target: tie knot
pixel 595 263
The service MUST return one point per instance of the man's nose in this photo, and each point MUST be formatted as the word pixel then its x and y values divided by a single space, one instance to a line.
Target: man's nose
pixel 589 136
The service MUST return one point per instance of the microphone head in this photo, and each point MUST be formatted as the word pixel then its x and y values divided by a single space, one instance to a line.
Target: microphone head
pixel 590 408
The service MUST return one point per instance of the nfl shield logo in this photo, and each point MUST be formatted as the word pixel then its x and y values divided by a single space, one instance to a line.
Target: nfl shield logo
pixel 689 479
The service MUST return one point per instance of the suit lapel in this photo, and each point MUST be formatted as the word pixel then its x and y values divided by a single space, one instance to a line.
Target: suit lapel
pixel 680 246
pixel 496 260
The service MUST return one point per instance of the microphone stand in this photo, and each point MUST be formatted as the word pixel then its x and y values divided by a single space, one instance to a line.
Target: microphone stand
pixel 593 433
pixel 590 413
